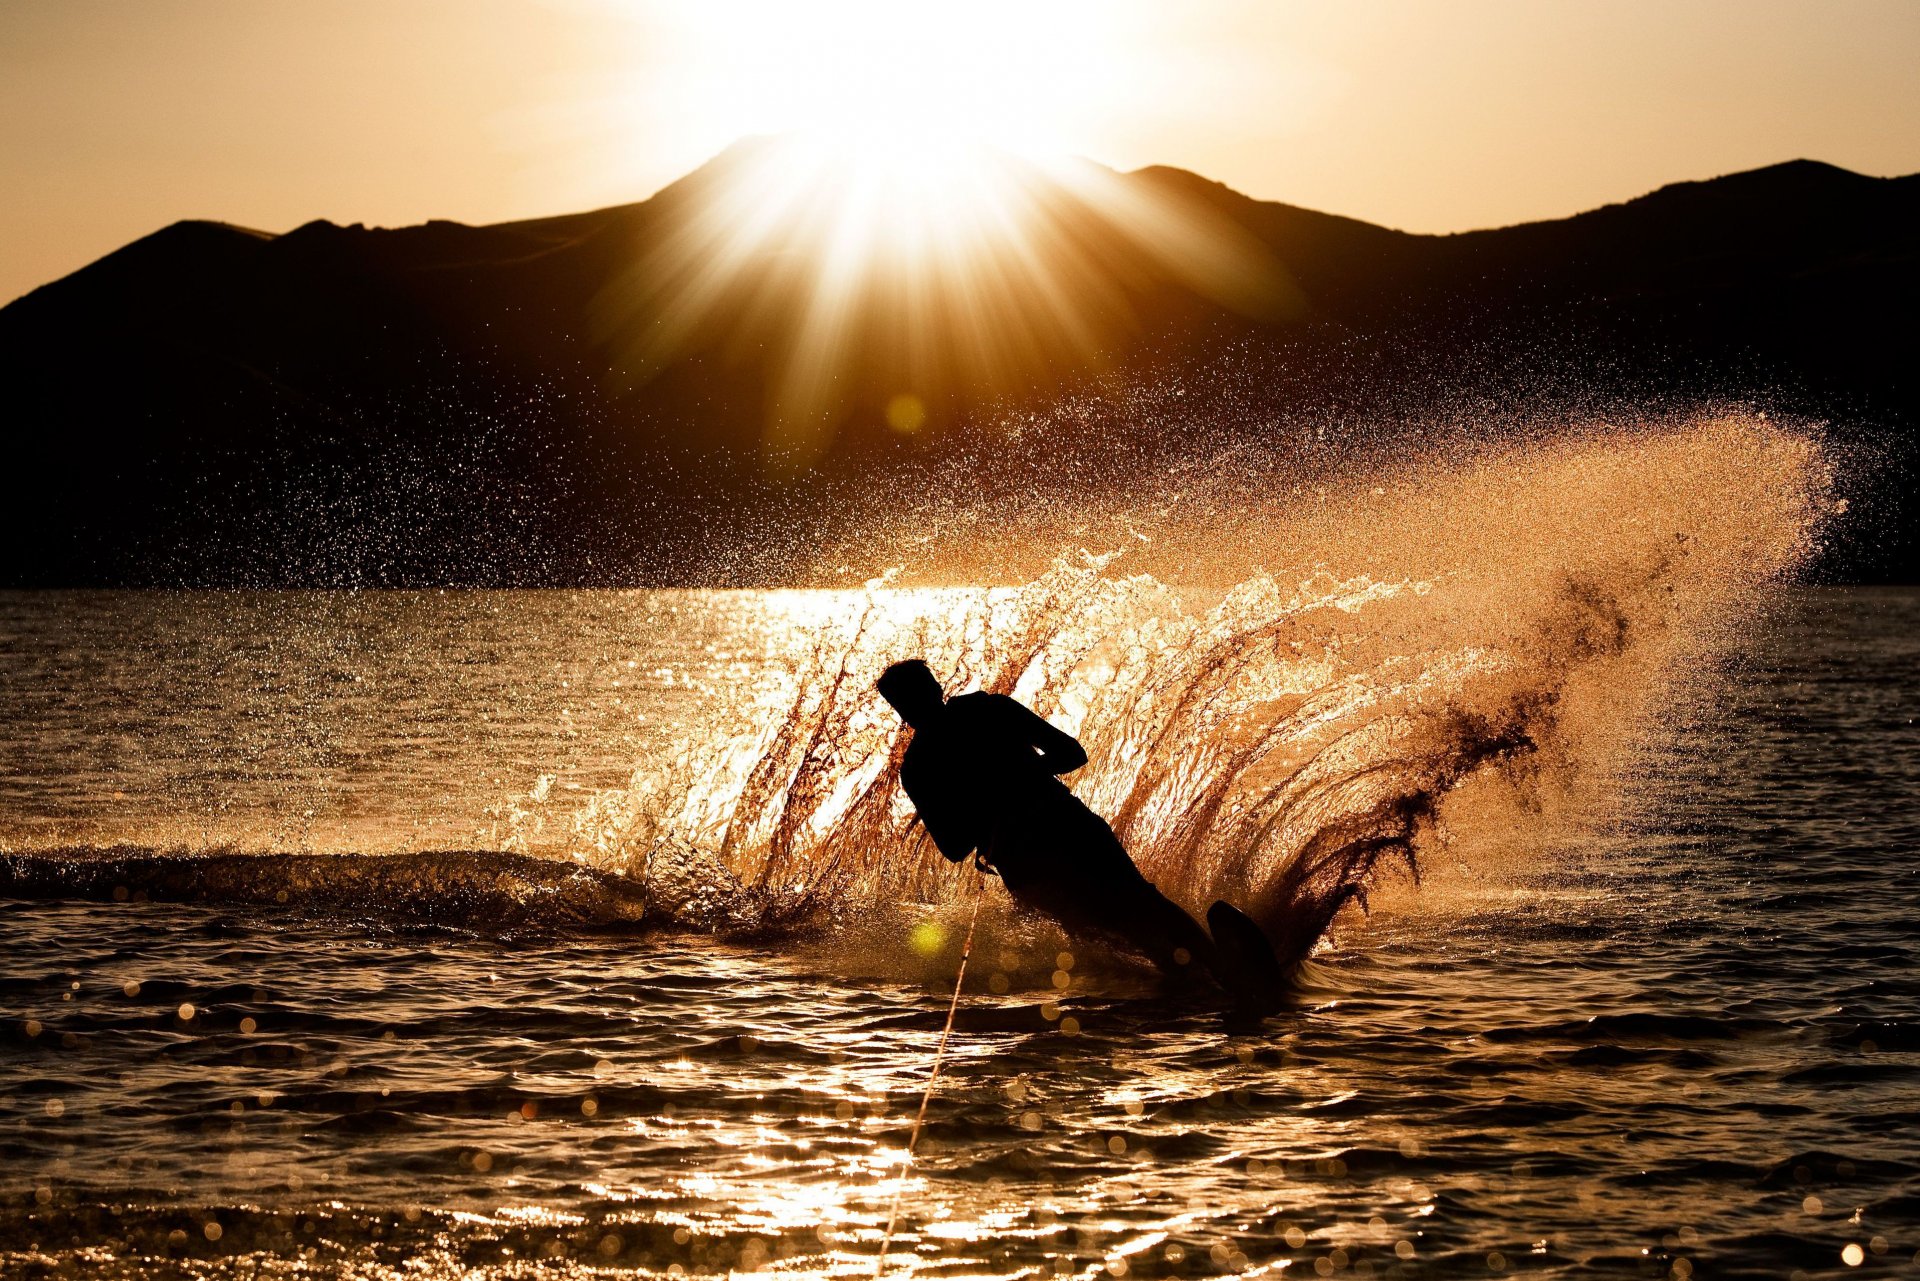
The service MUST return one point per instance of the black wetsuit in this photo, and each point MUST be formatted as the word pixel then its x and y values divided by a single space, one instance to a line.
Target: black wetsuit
pixel 982 776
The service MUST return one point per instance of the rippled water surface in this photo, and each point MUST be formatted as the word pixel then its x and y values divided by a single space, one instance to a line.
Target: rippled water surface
pixel 1683 1044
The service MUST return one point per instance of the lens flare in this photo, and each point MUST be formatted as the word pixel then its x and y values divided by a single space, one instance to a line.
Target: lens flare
pixel 905 281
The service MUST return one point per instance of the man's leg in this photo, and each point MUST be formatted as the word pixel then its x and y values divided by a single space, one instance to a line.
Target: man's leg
pixel 1162 929
pixel 1092 886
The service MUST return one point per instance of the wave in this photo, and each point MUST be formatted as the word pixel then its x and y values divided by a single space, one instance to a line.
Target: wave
pixel 457 889
pixel 1453 657
pixel 1291 691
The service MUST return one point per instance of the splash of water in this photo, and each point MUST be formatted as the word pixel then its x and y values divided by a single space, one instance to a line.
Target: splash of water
pixel 1499 629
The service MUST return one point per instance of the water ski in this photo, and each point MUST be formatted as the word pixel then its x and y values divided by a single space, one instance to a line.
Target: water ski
pixel 1253 972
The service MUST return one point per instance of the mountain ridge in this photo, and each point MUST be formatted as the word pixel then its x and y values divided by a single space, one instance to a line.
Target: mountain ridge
pixel 446 402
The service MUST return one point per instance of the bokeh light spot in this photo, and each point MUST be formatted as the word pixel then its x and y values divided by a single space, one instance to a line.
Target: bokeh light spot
pixel 906 413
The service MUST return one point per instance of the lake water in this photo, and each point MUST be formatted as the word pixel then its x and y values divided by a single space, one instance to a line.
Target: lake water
pixel 1675 1034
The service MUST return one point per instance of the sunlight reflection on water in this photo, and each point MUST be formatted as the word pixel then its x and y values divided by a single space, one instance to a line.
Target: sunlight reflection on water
pixel 1673 1042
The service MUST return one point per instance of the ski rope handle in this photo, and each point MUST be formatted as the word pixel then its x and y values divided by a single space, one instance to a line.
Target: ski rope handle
pixel 920 1120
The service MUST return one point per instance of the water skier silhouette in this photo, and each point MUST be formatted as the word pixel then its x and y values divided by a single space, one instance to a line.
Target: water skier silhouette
pixel 982 770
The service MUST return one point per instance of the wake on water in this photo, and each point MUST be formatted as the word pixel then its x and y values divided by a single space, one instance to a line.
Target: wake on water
pixel 1286 695
pixel 1453 654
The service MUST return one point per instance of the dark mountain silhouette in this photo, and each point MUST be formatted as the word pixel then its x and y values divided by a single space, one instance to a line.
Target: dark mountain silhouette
pixel 638 395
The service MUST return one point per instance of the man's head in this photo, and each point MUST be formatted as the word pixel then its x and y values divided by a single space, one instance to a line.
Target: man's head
pixel 913 690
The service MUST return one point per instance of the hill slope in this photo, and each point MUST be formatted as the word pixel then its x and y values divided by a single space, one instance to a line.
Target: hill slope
pixel 650 393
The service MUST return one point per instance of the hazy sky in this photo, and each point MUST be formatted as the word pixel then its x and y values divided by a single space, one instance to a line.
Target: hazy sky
pixel 119 116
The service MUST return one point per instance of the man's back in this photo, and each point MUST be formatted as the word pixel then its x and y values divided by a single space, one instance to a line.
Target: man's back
pixel 983 763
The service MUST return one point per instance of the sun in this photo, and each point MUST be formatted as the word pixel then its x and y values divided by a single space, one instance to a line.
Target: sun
pixel 905 236
pixel 895 78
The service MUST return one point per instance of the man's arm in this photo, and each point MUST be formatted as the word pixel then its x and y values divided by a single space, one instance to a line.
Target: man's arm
pixel 949 820
pixel 1060 752
pixel 954 840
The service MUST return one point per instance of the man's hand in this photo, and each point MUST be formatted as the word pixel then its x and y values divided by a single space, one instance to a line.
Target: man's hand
pixel 1060 752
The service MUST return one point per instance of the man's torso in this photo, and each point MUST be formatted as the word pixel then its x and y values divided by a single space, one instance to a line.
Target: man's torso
pixel 978 784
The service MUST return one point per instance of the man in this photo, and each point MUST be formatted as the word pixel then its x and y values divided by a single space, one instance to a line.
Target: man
pixel 981 770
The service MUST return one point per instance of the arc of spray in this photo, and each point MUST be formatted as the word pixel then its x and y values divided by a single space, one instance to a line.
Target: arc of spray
pixel 926 1097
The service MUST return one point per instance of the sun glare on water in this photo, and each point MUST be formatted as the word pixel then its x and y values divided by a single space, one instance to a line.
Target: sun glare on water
pixel 905 236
